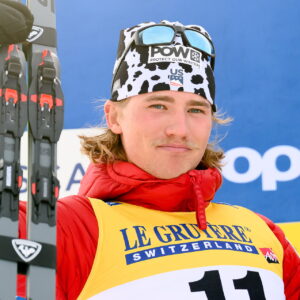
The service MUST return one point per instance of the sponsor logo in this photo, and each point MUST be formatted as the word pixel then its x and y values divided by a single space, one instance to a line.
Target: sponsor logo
pixel 35 33
pixel 215 237
pixel 176 77
pixel 26 250
pixel 270 256
pixel 262 165
pixel 187 247
pixel 177 53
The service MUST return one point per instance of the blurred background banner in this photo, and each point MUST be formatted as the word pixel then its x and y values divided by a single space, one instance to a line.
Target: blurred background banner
pixel 257 78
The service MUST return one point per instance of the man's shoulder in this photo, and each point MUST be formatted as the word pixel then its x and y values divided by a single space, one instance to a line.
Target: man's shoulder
pixel 276 230
pixel 73 202
pixel 74 208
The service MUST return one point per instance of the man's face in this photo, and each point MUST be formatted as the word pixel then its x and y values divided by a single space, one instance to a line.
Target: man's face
pixel 164 133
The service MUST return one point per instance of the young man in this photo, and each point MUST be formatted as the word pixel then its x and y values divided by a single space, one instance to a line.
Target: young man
pixel 143 225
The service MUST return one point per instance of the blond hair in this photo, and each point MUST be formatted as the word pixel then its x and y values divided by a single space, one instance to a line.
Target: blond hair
pixel 107 147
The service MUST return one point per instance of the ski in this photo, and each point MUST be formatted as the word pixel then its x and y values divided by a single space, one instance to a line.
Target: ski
pixel 45 106
pixel 13 120
pixel 41 106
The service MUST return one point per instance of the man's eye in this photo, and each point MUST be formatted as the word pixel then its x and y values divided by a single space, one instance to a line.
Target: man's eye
pixel 158 106
pixel 196 110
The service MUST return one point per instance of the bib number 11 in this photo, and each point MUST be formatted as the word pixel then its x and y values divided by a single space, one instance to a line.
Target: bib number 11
pixel 211 284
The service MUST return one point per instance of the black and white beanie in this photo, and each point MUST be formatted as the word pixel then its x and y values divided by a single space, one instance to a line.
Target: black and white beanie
pixel 175 67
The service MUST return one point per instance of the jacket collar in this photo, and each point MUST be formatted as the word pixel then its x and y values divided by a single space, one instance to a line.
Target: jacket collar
pixel 123 181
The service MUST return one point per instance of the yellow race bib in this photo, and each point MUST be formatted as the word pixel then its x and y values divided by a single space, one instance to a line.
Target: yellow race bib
pixel 149 254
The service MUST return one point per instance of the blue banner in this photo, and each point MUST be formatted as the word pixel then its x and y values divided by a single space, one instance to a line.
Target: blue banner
pixel 257 79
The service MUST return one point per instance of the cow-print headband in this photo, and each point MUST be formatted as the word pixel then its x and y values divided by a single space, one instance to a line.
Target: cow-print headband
pixel 175 67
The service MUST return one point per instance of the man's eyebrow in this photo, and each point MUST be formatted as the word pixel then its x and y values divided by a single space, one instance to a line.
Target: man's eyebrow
pixel 171 99
pixel 199 103
pixel 161 98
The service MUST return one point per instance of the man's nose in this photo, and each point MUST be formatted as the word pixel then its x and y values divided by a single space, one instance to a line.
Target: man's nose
pixel 178 125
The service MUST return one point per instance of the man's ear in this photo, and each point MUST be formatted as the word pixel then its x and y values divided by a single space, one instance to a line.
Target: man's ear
pixel 112 117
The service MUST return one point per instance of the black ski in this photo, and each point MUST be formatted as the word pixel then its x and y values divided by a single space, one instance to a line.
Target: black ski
pixel 13 119
pixel 42 107
pixel 45 104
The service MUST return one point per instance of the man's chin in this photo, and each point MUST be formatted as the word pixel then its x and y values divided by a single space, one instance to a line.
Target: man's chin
pixel 168 173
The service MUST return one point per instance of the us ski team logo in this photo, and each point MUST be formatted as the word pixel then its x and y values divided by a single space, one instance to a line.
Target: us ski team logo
pixel 270 256
pixel 35 33
pixel 176 77
pixel 27 250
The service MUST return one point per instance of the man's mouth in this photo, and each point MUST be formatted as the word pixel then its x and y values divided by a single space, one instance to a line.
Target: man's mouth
pixel 174 147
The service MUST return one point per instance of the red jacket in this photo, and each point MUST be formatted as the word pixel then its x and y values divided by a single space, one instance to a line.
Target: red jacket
pixel 77 228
